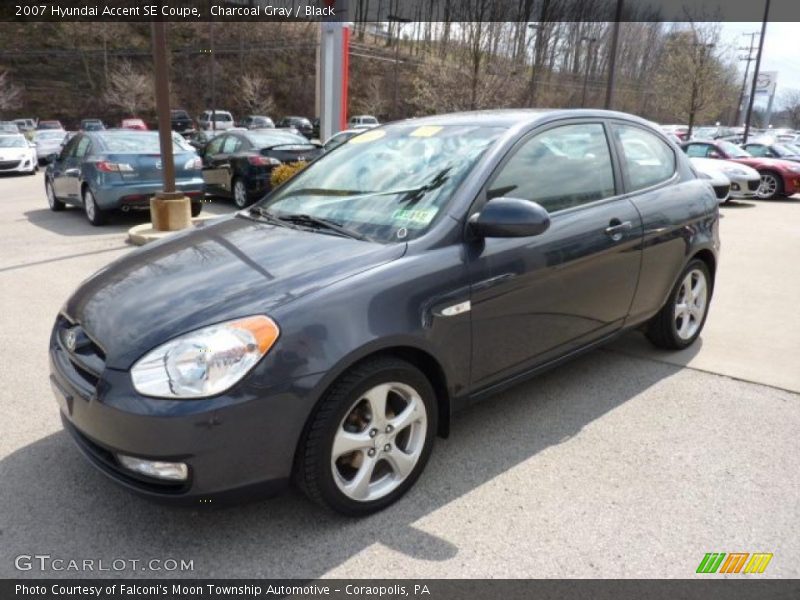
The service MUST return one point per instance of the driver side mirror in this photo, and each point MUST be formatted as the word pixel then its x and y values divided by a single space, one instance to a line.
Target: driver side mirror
pixel 510 217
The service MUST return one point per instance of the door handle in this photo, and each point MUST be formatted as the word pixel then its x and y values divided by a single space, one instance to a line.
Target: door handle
pixel 72 172
pixel 616 229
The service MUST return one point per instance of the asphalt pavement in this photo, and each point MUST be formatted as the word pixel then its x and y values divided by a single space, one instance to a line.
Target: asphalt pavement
pixel 624 463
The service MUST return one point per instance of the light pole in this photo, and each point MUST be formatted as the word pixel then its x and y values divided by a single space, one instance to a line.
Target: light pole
pixel 398 20
pixel 612 59
pixel 589 41
pixel 755 73
pixel 537 29
pixel 704 48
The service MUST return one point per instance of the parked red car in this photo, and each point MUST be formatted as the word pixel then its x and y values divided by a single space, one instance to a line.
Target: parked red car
pixel 137 124
pixel 778 177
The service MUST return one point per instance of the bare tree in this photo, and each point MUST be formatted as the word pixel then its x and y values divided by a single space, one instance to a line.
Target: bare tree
pixel 791 103
pixel 255 95
pixel 10 94
pixel 129 89
pixel 372 100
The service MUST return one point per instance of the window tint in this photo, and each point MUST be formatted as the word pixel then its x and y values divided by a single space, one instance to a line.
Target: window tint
pixel 215 145
pixel 698 150
pixel 756 149
pixel 231 144
pixel 648 159
pixel 560 168
pixel 83 147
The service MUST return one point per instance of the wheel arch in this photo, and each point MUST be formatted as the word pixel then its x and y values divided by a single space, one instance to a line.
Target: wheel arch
pixel 710 260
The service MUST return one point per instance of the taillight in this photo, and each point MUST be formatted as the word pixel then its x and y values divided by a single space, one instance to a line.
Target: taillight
pixel 194 164
pixel 263 161
pixel 110 167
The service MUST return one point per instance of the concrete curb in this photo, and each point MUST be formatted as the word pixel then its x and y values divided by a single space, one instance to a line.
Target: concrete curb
pixel 140 235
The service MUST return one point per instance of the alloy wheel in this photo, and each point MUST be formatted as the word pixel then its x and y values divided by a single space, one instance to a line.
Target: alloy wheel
pixel 89 206
pixel 379 441
pixel 768 187
pixel 690 304
pixel 239 194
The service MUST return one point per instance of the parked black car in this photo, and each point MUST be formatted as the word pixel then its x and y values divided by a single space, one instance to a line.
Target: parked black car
pixel 257 122
pixel 329 333
pixel 92 125
pixel 181 121
pixel 239 164
pixel 301 124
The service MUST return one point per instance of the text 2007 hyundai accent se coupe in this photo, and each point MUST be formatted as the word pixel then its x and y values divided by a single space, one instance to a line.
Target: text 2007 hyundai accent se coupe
pixel 328 333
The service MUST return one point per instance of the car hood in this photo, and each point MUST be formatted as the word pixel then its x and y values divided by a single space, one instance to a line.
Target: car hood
pixel 15 153
pixel 231 268
pixel 707 165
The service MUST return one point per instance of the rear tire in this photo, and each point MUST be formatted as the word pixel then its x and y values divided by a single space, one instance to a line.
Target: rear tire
pixel 355 460
pixel 240 197
pixel 94 213
pixel 54 203
pixel 197 208
pixel 679 323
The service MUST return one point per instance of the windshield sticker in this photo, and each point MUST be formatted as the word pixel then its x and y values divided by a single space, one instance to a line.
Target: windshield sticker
pixel 369 136
pixel 420 216
pixel 426 131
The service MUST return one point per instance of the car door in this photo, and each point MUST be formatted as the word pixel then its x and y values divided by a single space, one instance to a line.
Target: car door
pixel 534 299
pixel 72 176
pixel 214 165
pixel 668 205
pixel 61 165
pixel 222 162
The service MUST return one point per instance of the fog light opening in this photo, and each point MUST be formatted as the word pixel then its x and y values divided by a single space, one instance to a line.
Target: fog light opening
pixel 155 468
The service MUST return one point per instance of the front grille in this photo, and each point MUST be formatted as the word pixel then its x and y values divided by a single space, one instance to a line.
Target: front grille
pixel 721 191
pixel 753 184
pixel 85 355
pixel 6 165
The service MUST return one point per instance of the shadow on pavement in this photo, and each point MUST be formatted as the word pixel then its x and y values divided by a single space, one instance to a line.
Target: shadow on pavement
pixel 72 221
pixel 52 501
pixel 737 204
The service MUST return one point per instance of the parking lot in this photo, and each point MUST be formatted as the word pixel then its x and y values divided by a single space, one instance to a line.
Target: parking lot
pixel 627 462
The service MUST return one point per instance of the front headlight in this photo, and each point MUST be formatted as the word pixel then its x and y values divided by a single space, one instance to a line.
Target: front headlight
pixel 205 362
pixel 794 168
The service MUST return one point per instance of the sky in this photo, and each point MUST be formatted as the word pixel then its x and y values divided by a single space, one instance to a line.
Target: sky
pixel 781 50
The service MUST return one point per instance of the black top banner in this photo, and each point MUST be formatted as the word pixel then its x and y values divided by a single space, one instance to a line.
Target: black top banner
pixel 408 10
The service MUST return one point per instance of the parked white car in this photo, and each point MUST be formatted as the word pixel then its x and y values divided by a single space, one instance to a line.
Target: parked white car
pixel 718 180
pixel 17 155
pixel 222 119
pixel 362 122
pixel 48 141
pixel 744 180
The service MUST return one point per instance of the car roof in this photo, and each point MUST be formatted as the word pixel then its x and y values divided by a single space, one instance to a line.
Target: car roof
pixel 508 117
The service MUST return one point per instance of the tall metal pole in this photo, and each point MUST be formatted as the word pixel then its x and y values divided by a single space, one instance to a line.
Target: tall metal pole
pixel 612 59
pixel 749 59
pixel 162 105
pixel 755 73
pixel 213 79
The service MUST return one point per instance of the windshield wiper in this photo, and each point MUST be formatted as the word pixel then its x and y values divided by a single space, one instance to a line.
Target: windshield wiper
pixel 320 223
pixel 266 215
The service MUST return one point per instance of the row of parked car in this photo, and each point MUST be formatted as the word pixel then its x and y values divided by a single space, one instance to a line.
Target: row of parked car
pixel 730 134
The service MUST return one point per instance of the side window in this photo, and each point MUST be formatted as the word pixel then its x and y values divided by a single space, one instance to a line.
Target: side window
pixel 697 150
pixel 231 145
pixel 82 149
pixel 756 149
pixel 69 148
pixel 648 159
pixel 215 145
pixel 560 168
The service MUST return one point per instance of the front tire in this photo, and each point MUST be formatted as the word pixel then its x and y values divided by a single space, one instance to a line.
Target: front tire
pixel 771 186
pixel 197 208
pixel 679 323
pixel 54 203
pixel 95 215
pixel 370 438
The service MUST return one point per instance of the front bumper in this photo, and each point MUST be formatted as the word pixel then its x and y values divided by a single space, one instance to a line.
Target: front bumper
pixel 18 165
pixel 111 195
pixel 237 446
pixel 791 184
pixel 743 188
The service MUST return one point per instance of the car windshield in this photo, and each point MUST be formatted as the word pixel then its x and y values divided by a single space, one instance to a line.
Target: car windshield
pixel 369 120
pixel 179 114
pixel 13 141
pixel 388 184
pixel 267 139
pixel 783 150
pixel 123 142
pixel 51 135
pixel 733 150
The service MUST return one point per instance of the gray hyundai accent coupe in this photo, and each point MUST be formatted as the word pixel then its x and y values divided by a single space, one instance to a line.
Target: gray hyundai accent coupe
pixel 328 333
